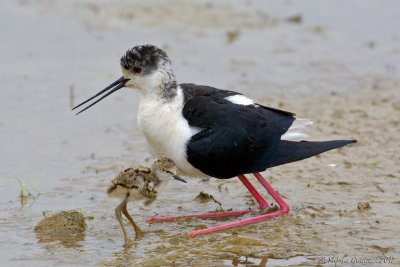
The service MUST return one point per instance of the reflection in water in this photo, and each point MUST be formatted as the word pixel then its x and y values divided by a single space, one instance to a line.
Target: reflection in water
pixel 252 262
pixel 26 192
pixel 50 242
pixel 125 257
pixel 249 262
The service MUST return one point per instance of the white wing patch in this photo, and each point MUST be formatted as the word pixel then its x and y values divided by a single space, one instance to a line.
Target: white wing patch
pixel 295 132
pixel 240 100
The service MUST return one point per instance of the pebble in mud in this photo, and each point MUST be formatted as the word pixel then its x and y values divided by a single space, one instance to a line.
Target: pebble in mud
pixel 363 206
pixel 62 224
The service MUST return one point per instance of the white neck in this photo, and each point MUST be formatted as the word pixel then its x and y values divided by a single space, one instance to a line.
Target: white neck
pixel 161 84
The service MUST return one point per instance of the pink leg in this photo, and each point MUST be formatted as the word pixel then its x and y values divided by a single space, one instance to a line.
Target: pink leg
pixel 283 208
pixel 263 204
pixel 211 215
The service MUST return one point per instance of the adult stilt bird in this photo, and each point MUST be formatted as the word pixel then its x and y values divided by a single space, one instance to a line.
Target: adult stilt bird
pixel 211 132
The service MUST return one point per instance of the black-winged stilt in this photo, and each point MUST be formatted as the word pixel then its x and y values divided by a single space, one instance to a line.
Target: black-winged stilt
pixel 211 132
pixel 140 183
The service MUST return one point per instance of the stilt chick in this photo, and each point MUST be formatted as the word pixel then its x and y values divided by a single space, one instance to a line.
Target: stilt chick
pixel 140 183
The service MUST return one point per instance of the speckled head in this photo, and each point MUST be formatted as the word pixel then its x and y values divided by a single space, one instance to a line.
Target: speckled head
pixel 148 69
pixel 165 164
pixel 165 168
pixel 144 67
pixel 144 59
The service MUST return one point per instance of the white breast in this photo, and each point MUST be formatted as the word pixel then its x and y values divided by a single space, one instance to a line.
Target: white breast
pixel 166 130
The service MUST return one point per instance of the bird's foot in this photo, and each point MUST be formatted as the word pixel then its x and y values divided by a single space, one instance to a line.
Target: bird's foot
pixel 139 235
pixel 128 243
pixel 238 223
pixel 283 209
pixel 211 215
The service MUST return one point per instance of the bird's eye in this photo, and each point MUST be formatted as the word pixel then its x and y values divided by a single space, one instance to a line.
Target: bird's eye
pixel 137 69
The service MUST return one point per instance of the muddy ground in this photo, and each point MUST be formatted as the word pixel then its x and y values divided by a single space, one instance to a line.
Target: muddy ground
pixel 335 63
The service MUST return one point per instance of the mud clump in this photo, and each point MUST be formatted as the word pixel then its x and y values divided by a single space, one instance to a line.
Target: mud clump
pixel 295 19
pixel 363 206
pixel 65 226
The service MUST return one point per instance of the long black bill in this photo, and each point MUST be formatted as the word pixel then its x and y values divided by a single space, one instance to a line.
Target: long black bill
pixel 115 86
pixel 176 177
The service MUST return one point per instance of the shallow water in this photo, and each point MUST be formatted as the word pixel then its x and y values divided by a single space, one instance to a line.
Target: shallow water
pixel 338 66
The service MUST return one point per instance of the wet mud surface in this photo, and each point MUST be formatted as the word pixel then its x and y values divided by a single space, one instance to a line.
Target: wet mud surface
pixel 335 68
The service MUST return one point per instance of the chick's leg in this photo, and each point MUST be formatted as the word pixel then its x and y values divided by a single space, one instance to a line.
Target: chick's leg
pixel 119 218
pixel 136 228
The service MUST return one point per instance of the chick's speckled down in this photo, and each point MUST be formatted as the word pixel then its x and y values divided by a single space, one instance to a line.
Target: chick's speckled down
pixel 140 178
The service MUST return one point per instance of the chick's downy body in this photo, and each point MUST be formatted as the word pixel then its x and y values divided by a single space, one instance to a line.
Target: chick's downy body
pixel 134 184
pixel 140 183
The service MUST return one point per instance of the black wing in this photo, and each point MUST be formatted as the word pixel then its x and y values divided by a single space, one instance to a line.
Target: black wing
pixel 235 139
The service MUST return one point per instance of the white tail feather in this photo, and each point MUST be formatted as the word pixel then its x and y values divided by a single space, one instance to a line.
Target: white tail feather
pixel 295 131
pixel 300 123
